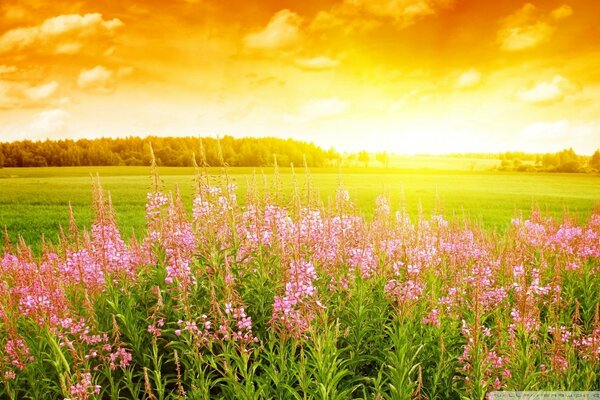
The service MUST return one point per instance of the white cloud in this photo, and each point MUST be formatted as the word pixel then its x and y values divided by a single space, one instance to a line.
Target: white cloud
pixel 50 123
pixel 468 79
pixel 317 63
pixel 528 28
pixel 322 108
pixel 61 34
pixel 97 80
pixel 283 30
pixel 42 92
pixel 550 92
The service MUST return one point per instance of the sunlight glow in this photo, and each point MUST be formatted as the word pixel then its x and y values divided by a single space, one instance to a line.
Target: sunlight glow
pixel 407 76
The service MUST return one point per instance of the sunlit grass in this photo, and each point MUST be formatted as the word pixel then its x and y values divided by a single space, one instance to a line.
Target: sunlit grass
pixel 33 201
pixel 303 301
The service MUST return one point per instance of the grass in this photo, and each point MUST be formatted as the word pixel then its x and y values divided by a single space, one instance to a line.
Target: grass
pixel 34 201
pixel 267 302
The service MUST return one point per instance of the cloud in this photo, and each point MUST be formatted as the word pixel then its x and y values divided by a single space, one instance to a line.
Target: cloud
pixel 403 12
pixel 64 34
pixel 323 108
pixel 325 20
pixel 12 13
pixel 468 79
pixel 561 12
pixel 545 93
pixel 50 123
pixel 41 92
pixel 525 37
pixel 98 80
pixel 364 15
pixel 319 63
pixel 528 27
pixel 256 82
pixel 124 72
pixel 283 30
pixel 21 94
pixel 7 69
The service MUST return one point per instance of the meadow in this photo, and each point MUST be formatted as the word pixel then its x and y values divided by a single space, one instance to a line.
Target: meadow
pixel 34 201
pixel 364 283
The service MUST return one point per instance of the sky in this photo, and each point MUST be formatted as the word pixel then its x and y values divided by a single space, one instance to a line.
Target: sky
pixel 403 76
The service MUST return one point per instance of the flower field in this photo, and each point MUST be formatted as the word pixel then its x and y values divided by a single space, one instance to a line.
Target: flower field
pixel 299 301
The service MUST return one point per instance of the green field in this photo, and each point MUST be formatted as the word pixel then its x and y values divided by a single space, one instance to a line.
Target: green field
pixel 34 201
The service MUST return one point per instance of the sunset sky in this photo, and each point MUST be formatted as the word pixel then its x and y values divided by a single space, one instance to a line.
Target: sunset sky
pixel 406 76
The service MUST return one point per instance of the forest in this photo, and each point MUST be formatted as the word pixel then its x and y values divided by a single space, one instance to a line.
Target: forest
pixel 169 151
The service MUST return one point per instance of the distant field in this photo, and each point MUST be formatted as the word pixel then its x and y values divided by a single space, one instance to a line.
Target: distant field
pixel 33 201
pixel 442 163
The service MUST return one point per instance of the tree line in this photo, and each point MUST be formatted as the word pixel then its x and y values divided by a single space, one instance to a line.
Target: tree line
pixel 244 152
pixel 168 151
pixel 562 161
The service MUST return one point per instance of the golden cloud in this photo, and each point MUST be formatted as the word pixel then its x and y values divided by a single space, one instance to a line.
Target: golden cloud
pixel 41 92
pixel 7 69
pixel 318 63
pixel 64 34
pixel 49 123
pixel 545 93
pixel 403 12
pixel 365 15
pixel 22 94
pixel 98 80
pixel 468 79
pixel 562 12
pixel 528 28
pixel 283 30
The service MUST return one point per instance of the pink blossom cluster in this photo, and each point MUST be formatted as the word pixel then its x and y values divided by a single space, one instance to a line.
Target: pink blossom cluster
pixel 170 230
pixel 213 211
pixel 296 308
pixel 17 355
pixel 84 389
pixel 121 358
pixel 568 238
pixel 234 326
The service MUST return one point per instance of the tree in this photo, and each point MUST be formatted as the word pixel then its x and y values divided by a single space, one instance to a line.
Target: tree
pixel 333 157
pixel 595 160
pixel 364 158
pixel 383 158
pixel 569 166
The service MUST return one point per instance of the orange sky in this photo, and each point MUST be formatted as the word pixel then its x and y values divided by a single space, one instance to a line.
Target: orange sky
pixel 426 76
